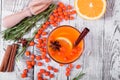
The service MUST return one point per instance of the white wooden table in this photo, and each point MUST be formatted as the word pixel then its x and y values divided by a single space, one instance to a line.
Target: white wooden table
pixel 101 57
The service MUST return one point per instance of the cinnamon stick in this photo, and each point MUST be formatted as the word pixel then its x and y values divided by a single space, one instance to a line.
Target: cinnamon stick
pixel 11 60
pixel 6 59
pixel 81 36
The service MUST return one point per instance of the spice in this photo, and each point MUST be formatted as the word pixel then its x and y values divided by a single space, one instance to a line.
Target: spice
pixel 81 36
pixel 12 58
pixel 9 57
pixel 55 45
pixel 5 60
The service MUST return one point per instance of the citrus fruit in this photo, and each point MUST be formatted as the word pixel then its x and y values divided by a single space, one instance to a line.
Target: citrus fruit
pixel 65 41
pixel 90 9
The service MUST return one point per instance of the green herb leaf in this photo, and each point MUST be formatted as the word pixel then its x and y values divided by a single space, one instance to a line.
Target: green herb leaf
pixel 17 32
pixel 79 76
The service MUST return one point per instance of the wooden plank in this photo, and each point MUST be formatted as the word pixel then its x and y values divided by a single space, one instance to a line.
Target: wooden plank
pixel 8 8
pixel 111 60
pixel 61 74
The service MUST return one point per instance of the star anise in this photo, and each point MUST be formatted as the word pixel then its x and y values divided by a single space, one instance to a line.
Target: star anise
pixel 23 42
pixel 55 45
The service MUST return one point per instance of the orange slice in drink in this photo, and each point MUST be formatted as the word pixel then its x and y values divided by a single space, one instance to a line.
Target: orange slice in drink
pixel 90 9
pixel 65 42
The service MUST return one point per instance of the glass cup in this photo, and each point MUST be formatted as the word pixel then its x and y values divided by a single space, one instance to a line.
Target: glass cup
pixel 60 44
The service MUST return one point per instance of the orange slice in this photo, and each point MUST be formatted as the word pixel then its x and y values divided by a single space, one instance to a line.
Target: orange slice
pixel 65 41
pixel 90 9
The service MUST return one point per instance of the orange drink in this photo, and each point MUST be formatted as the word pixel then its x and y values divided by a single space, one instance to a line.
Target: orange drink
pixel 60 44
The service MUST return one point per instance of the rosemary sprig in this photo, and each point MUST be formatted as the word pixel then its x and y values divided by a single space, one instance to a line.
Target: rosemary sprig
pixel 51 8
pixel 17 32
pixel 79 76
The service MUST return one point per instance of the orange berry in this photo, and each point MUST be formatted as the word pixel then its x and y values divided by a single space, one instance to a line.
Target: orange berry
pixel 51 17
pixel 64 8
pixel 50 67
pixel 39 74
pixel 32 56
pixel 51 75
pixel 55 25
pixel 59 20
pixel 62 16
pixel 43 53
pixel 43 56
pixel 27 53
pixel 60 13
pixel 71 18
pixel 67 74
pixel 28 62
pixel 23 75
pixel 69 7
pixel 41 49
pixel 33 63
pixel 39 32
pixel 56 15
pixel 45 79
pixel 66 17
pixel 65 58
pixel 44 39
pixel 61 64
pixel 44 26
pixel 38 46
pixel 47 73
pixel 71 66
pixel 47 22
pixel 73 12
pixel 67 69
pixel 59 9
pixel 44 33
pixel 32 43
pixel 55 70
pixel 42 70
pixel 40 63
pixel 78 66
pixel 25 71
pixel 29 66
pixel 37 36
pixel 47 60
pixel 60 4
pixel 38 57
pixel 40 41
pixel 65 13
pixel 40 78
pixel 55 10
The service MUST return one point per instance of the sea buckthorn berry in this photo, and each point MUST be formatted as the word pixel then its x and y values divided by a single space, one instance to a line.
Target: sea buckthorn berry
pixel 78 66
pixel 27 53
pixel 38 57
pixel 51 75
pixel 28 62
pixel 23 75
pixel 39 74
pixel 33 63
pixel 29 66
pixel 40 63
pixel 32 43
pixel 25 71
pixel 32 56
pixel 50 67
pixel 42 70
pixel 55 70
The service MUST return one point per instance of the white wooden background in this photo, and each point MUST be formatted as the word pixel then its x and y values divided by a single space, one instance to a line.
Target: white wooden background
pixel 101 57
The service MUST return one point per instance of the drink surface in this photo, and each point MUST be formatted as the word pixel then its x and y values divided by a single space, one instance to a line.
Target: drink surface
pixel 65 36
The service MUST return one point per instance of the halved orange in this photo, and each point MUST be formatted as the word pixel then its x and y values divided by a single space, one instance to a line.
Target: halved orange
pixel 90 9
